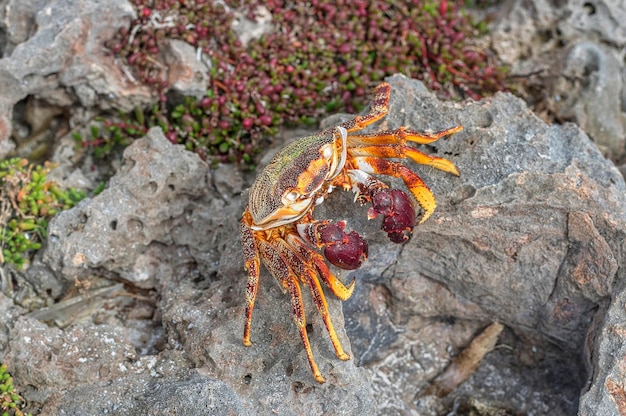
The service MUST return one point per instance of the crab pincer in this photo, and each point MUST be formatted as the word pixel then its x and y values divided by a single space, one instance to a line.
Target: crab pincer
pixel 393 204
pixel 344 250
pixel 398 211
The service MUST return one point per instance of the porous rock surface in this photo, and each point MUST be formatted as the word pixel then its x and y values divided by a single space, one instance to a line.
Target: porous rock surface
pixel 54 52
pixel 571 54
pixel 530 236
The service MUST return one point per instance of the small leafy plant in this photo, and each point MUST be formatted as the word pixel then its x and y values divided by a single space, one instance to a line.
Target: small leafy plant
pixel 28 200
pixel 319 57
pixel 10 402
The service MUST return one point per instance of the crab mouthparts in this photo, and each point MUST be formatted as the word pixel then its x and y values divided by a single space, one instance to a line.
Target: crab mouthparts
pixel 284 215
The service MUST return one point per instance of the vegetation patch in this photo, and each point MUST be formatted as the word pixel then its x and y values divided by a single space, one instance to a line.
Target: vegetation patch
pixel 27 202
pixel 319 57
pixel 11 403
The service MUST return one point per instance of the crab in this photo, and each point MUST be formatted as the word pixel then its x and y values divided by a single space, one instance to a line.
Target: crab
pixel 278 228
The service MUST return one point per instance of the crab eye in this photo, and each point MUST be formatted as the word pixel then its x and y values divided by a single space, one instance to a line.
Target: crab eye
pixel 327 152
pixel 292 196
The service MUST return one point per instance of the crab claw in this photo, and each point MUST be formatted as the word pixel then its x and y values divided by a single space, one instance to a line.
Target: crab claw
pixel 398 211
pixel 346 251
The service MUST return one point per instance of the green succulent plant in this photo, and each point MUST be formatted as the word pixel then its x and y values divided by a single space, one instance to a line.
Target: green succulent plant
pixel 320 57
pixel 11 402
pixel 28 200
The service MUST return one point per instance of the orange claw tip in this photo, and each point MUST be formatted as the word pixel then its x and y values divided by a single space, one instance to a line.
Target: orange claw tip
pixel 247 342
pixel 351 286
pixel 319 378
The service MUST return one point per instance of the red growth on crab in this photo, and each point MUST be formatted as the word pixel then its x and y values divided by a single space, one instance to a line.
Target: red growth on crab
pixel 398 211
pixel 346 251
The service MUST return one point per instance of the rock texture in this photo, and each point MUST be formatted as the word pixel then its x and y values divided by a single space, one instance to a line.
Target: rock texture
pixel 54 51
pixel 144 284
pixel 530 236
pixel 573 50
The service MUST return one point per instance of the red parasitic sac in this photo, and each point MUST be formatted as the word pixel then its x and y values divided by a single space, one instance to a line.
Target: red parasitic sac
pixel 346 251
pixel 398 211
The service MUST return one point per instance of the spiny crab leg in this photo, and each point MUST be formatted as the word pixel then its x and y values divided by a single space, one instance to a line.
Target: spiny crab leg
pixel 391 144
pixel 402 135
pixel 308 275
pixel 378 110
pixel 252 265
pixel 311 257
pixel 282 272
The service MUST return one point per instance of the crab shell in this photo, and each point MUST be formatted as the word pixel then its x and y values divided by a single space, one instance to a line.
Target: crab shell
pixel 297 178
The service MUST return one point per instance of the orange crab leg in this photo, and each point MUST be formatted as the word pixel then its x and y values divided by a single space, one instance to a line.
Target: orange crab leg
pixel 401 135
pixel 398 151
pixel 299 317
pixel 416 185
pixel 280 269
pixel 311 257
pixel 378 109
pixel 322 306
pixel 252 265
pixel 309 276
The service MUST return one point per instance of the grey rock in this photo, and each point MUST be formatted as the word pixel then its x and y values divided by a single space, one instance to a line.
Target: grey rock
pixel 589 92
pixel 139 395
pixel 187 75
pixel 41 57
pixel 228 180
pixel 18 21
pixel 530 235
pixel 123 228
pixel 605 395
pixel 568 57
pixel 603 18
pixel 516 32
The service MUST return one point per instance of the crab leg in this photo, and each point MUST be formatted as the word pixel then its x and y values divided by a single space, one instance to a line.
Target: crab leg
pixel 401 135
pixel 252 265
pixel 392 144
pixel 311 257
pixel 309 276
pixel 299 317
pixel 378 109
pixel 279 267
pixel 416 185
pixel 398 151
pixel 322 306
